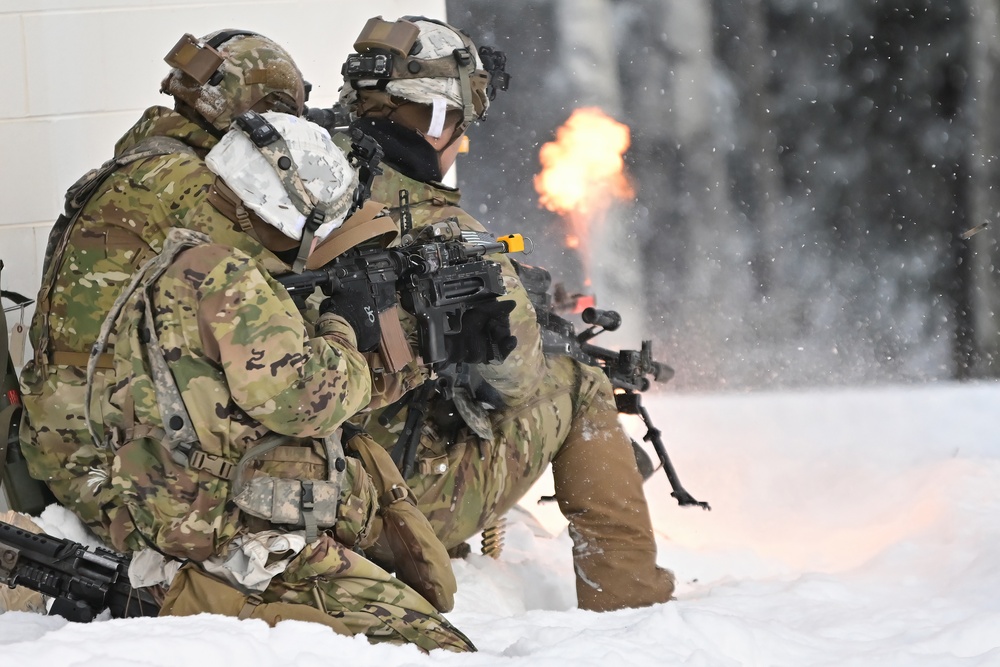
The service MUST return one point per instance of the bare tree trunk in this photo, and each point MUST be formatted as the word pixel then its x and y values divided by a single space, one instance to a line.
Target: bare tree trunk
pixel 752 65
pixel 588 52
pixel 717 286
pixel 984 258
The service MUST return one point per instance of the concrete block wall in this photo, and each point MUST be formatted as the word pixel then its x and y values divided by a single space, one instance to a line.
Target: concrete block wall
pixel 76 75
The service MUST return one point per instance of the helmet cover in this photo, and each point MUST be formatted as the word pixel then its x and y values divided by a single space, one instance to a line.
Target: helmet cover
pixel 253 68
pixel 318 174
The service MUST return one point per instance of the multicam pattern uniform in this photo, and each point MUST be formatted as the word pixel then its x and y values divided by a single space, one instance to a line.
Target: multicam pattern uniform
pixel 557 411
pixel 462 486
pixel 121 226
pixel 245 366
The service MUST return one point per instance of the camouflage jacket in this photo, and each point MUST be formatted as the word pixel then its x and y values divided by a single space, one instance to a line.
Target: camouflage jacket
pixel 123 224
pixel 517 378
pixel 242 365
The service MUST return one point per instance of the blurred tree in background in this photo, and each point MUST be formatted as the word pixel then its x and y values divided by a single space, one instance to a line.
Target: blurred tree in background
pixel 804 172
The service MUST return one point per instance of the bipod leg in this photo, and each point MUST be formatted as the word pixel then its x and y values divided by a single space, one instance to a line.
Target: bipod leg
pixel 631 404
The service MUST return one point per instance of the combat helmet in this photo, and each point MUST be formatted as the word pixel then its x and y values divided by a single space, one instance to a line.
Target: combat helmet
pixel 230 71
pixel 285 172
pixel 422 60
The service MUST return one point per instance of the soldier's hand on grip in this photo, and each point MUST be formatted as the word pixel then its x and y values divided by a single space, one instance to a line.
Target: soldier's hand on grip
pixel 485 335
pixel 358 308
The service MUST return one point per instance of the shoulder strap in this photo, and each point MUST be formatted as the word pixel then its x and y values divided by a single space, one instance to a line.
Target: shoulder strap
pixel 180 436
pixel 76 198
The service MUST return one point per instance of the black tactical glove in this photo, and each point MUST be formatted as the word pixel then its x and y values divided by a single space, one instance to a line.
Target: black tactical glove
pixel 485 335
pixel 358 308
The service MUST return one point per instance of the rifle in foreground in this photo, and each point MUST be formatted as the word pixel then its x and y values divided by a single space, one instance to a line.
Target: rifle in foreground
pixel 628 370
pixel 81 581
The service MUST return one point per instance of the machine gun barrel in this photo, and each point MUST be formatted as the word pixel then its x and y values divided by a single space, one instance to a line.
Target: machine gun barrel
pixel 610 320
pixel 628 370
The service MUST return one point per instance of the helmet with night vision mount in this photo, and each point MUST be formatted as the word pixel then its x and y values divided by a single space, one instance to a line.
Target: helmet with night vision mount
pixel 425 61
pixel 229 72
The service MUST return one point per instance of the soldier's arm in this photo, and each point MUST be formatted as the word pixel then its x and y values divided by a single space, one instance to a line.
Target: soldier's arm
pixel 519 375
pixel 288 381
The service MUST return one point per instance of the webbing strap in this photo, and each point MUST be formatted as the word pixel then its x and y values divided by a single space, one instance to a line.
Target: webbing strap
pixel 275 150
pixel 249 606
pixel 306 506
pixel 213 465
pixel 180 436
pixel 468 109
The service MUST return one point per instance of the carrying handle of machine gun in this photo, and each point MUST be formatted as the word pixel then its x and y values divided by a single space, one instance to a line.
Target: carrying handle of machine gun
pixel 630 403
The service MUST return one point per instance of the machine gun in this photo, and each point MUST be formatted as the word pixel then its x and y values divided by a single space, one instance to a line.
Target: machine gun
pixel 82 582
pixel 440 274
pixel 437 281
pixel 333 119
pixel 628 370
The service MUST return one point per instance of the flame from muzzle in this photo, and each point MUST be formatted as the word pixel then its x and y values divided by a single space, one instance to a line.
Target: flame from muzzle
pixel 583 172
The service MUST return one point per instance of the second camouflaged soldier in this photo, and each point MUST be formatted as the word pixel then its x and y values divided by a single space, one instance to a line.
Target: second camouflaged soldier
pixel 416 85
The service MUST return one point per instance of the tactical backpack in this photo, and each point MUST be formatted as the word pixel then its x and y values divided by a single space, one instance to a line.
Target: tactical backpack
pixel 21 492
pixel 53 440
pixel 76 198
pixel 181 497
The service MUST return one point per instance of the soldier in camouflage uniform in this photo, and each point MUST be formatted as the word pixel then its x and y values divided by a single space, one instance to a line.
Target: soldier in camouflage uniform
pixel 223 419
pixel 116 219
pixel 476 460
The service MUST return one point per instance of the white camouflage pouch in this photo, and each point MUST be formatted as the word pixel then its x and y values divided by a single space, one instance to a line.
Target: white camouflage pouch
pixel 346 501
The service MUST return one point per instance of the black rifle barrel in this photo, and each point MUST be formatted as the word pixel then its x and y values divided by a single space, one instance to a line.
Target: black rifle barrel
pixel 83 582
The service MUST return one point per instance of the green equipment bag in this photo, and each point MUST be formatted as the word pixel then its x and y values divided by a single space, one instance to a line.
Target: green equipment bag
pixel 21 492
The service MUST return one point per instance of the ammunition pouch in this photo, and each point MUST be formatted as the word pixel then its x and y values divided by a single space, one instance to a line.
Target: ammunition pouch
pixel 348 505
pixel 406 542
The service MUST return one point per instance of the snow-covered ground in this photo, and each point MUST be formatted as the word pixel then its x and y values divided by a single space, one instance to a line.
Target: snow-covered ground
pixel 851 527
